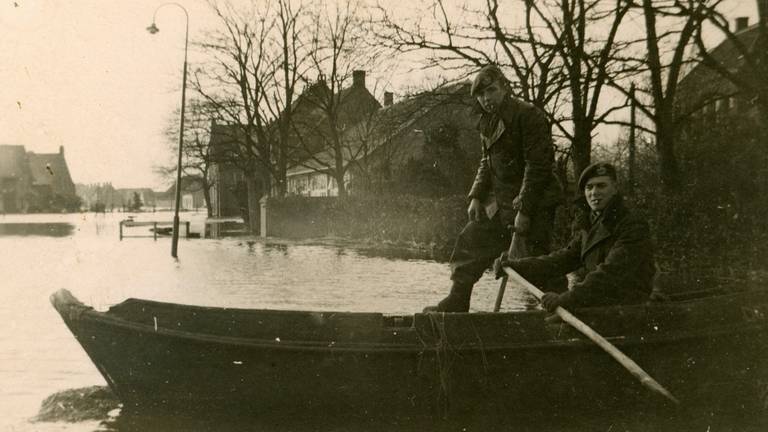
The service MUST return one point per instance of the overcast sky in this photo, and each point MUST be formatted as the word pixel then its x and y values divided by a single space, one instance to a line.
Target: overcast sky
pixel 86 75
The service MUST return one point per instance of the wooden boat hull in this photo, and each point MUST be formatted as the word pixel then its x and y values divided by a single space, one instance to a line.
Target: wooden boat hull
pixel 160 356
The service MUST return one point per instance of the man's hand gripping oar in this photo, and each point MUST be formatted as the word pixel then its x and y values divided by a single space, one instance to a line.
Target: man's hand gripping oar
pixel 517 249
pixel 587 331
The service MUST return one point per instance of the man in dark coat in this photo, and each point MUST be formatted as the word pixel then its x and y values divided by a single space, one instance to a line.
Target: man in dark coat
pixel 612 245
pixel 515 186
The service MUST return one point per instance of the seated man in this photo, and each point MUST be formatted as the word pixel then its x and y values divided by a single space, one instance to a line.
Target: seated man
pixel 611 244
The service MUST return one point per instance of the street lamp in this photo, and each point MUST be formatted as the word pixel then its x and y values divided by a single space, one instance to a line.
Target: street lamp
pixel 153 29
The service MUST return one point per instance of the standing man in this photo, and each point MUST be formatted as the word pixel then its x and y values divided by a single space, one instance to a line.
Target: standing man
pixel 515 186
pixel 611 244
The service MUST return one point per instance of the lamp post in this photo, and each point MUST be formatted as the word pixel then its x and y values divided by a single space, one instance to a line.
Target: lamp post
pixel 153 29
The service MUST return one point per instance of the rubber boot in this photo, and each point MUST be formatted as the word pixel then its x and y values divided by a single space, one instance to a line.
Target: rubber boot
pixel 456 301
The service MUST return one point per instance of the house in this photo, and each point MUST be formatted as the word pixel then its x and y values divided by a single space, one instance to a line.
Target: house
pixel 124 197
pixel 721 141
pixel 313 141
pixel 35 182
pixel 229 192
pixel 378 140
pixel 15 180
pixel 99 194
pixel 50 174
pixel 704 94
pixel 227 179
pixel 192 196
pixel 380 144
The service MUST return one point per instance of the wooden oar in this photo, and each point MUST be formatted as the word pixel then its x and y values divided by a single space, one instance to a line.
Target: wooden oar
pixel 579 325
pixel 517 249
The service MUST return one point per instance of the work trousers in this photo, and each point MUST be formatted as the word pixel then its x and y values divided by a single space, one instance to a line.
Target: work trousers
pixel 481 242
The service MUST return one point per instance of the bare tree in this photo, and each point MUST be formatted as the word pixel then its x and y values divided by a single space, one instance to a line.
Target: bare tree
pixel 290 25
pixel 562 55
pixel 250 82
pixel 457 38
pixel 660 64
pixel 198 155
pixel 337 55
pixel 382 137
pixel 588 60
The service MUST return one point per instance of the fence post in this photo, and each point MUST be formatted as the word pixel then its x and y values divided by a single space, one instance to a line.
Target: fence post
pixel 263 214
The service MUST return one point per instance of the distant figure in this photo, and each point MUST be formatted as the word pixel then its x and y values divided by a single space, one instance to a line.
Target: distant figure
pixel 612 245
pixel 515 186
pixel 49 169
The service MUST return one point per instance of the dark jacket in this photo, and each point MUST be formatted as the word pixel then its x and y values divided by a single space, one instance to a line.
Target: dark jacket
pixel 518 160
pixel 616 252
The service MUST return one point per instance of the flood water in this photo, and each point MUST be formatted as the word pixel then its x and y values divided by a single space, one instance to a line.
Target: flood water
pixel 39 357
pixel 40 254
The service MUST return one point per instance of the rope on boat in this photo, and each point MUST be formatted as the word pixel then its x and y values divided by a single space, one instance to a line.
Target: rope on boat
pixel 443 360
pixel 445 355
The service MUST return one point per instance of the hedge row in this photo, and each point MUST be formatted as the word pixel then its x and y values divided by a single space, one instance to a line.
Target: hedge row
pixel 411 221
pixel 692 242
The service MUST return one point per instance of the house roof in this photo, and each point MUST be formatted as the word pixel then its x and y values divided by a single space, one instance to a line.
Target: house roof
pixel 355 101
pixel 225 140
pixel 703 81
pixel 49 169
pixel 383 125
pixel 12 161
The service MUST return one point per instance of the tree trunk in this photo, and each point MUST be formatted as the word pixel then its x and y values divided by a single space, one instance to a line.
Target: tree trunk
pixel 665 148
pixel 282 178
pixel 581 148
pixel 632 147
pixel 666 133
pixel 207 197
pixel 339 176
pixel 254 194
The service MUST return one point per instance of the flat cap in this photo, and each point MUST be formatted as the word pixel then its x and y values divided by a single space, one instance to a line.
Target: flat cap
pixel 597 169
pixel 485 77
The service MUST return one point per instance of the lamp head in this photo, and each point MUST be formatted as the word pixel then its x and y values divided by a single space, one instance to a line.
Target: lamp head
pixel 153 28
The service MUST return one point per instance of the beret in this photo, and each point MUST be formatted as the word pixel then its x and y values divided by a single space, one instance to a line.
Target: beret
pixel 597 169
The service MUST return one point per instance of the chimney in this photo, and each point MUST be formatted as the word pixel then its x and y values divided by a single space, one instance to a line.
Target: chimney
pixel 762 10
pixel 388 98
pixel 358 78
pixel 742 23
pixel 61 150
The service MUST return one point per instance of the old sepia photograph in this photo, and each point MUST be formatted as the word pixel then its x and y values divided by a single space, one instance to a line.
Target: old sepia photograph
pixel 384 215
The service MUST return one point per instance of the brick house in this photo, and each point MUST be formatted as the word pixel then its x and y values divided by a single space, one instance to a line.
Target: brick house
pixel 35 181
pixel 192 196
pixel 228 191
pixel 229 195
pixel 356 105
pixel 385 141
pixel 15 180
pixel 704 94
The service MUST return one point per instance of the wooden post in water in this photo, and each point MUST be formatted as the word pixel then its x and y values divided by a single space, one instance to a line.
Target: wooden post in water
pixel 263 213
pixel 154 230
pixel 121 230
pixel 632 146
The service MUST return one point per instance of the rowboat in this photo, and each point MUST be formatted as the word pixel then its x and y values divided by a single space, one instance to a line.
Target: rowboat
pixel 175 358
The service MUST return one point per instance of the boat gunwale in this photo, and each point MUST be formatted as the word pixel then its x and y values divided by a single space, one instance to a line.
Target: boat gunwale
pixel 665 337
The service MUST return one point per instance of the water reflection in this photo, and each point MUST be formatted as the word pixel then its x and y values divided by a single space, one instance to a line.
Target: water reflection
pixel 45 229
pixel 634 419
pixel 39 356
